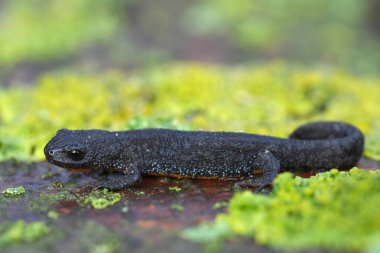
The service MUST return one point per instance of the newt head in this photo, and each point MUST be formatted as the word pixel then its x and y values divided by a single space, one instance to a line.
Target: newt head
pixel 72 149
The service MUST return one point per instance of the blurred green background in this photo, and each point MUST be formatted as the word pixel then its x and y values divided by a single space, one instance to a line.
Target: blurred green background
pixel 37 36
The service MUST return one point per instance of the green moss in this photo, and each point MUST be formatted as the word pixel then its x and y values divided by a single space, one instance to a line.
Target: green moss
pixel 45 200
pixel 21 232
pixel 100 199
pixel 14 192
pixel 177 207
pixel 47 175
pixel 272 99
pixel 139 193
pixel 56 185
pixel 174 188
pixel 332 210
pixel 220 205
pixel 208 232
pixel 53 215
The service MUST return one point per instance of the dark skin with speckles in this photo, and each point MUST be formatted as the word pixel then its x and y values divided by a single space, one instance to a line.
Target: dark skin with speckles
pixel 255 159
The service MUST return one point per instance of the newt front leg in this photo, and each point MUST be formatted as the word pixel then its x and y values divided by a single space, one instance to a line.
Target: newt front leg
pixel 122 178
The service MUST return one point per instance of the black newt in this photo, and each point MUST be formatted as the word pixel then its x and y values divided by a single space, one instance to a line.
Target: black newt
pixel 256 159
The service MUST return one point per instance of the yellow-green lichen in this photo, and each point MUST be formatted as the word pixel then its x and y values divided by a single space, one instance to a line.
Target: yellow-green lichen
pixel 332 210
pixel 14 192
pixel 100 199
pixel 21 232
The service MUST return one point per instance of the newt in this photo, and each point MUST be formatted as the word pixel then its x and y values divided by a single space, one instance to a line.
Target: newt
pixel 127 156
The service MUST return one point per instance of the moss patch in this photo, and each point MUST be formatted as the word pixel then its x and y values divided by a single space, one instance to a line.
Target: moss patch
pixel 53 215
pixel 21 232
pixel 177 207
pixel 14 192
pixel 100 199
pixel 174 188
pixel 332 210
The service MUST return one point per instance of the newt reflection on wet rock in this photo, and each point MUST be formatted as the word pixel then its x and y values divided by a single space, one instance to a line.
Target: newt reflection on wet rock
pixel 256 159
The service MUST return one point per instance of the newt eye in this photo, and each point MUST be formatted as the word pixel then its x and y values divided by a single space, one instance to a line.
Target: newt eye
pixel 75 151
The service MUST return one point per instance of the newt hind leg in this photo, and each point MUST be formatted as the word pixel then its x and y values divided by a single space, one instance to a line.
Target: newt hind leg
pixel 268 165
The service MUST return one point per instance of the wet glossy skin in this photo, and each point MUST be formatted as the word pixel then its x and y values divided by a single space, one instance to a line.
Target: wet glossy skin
pixel 256 159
